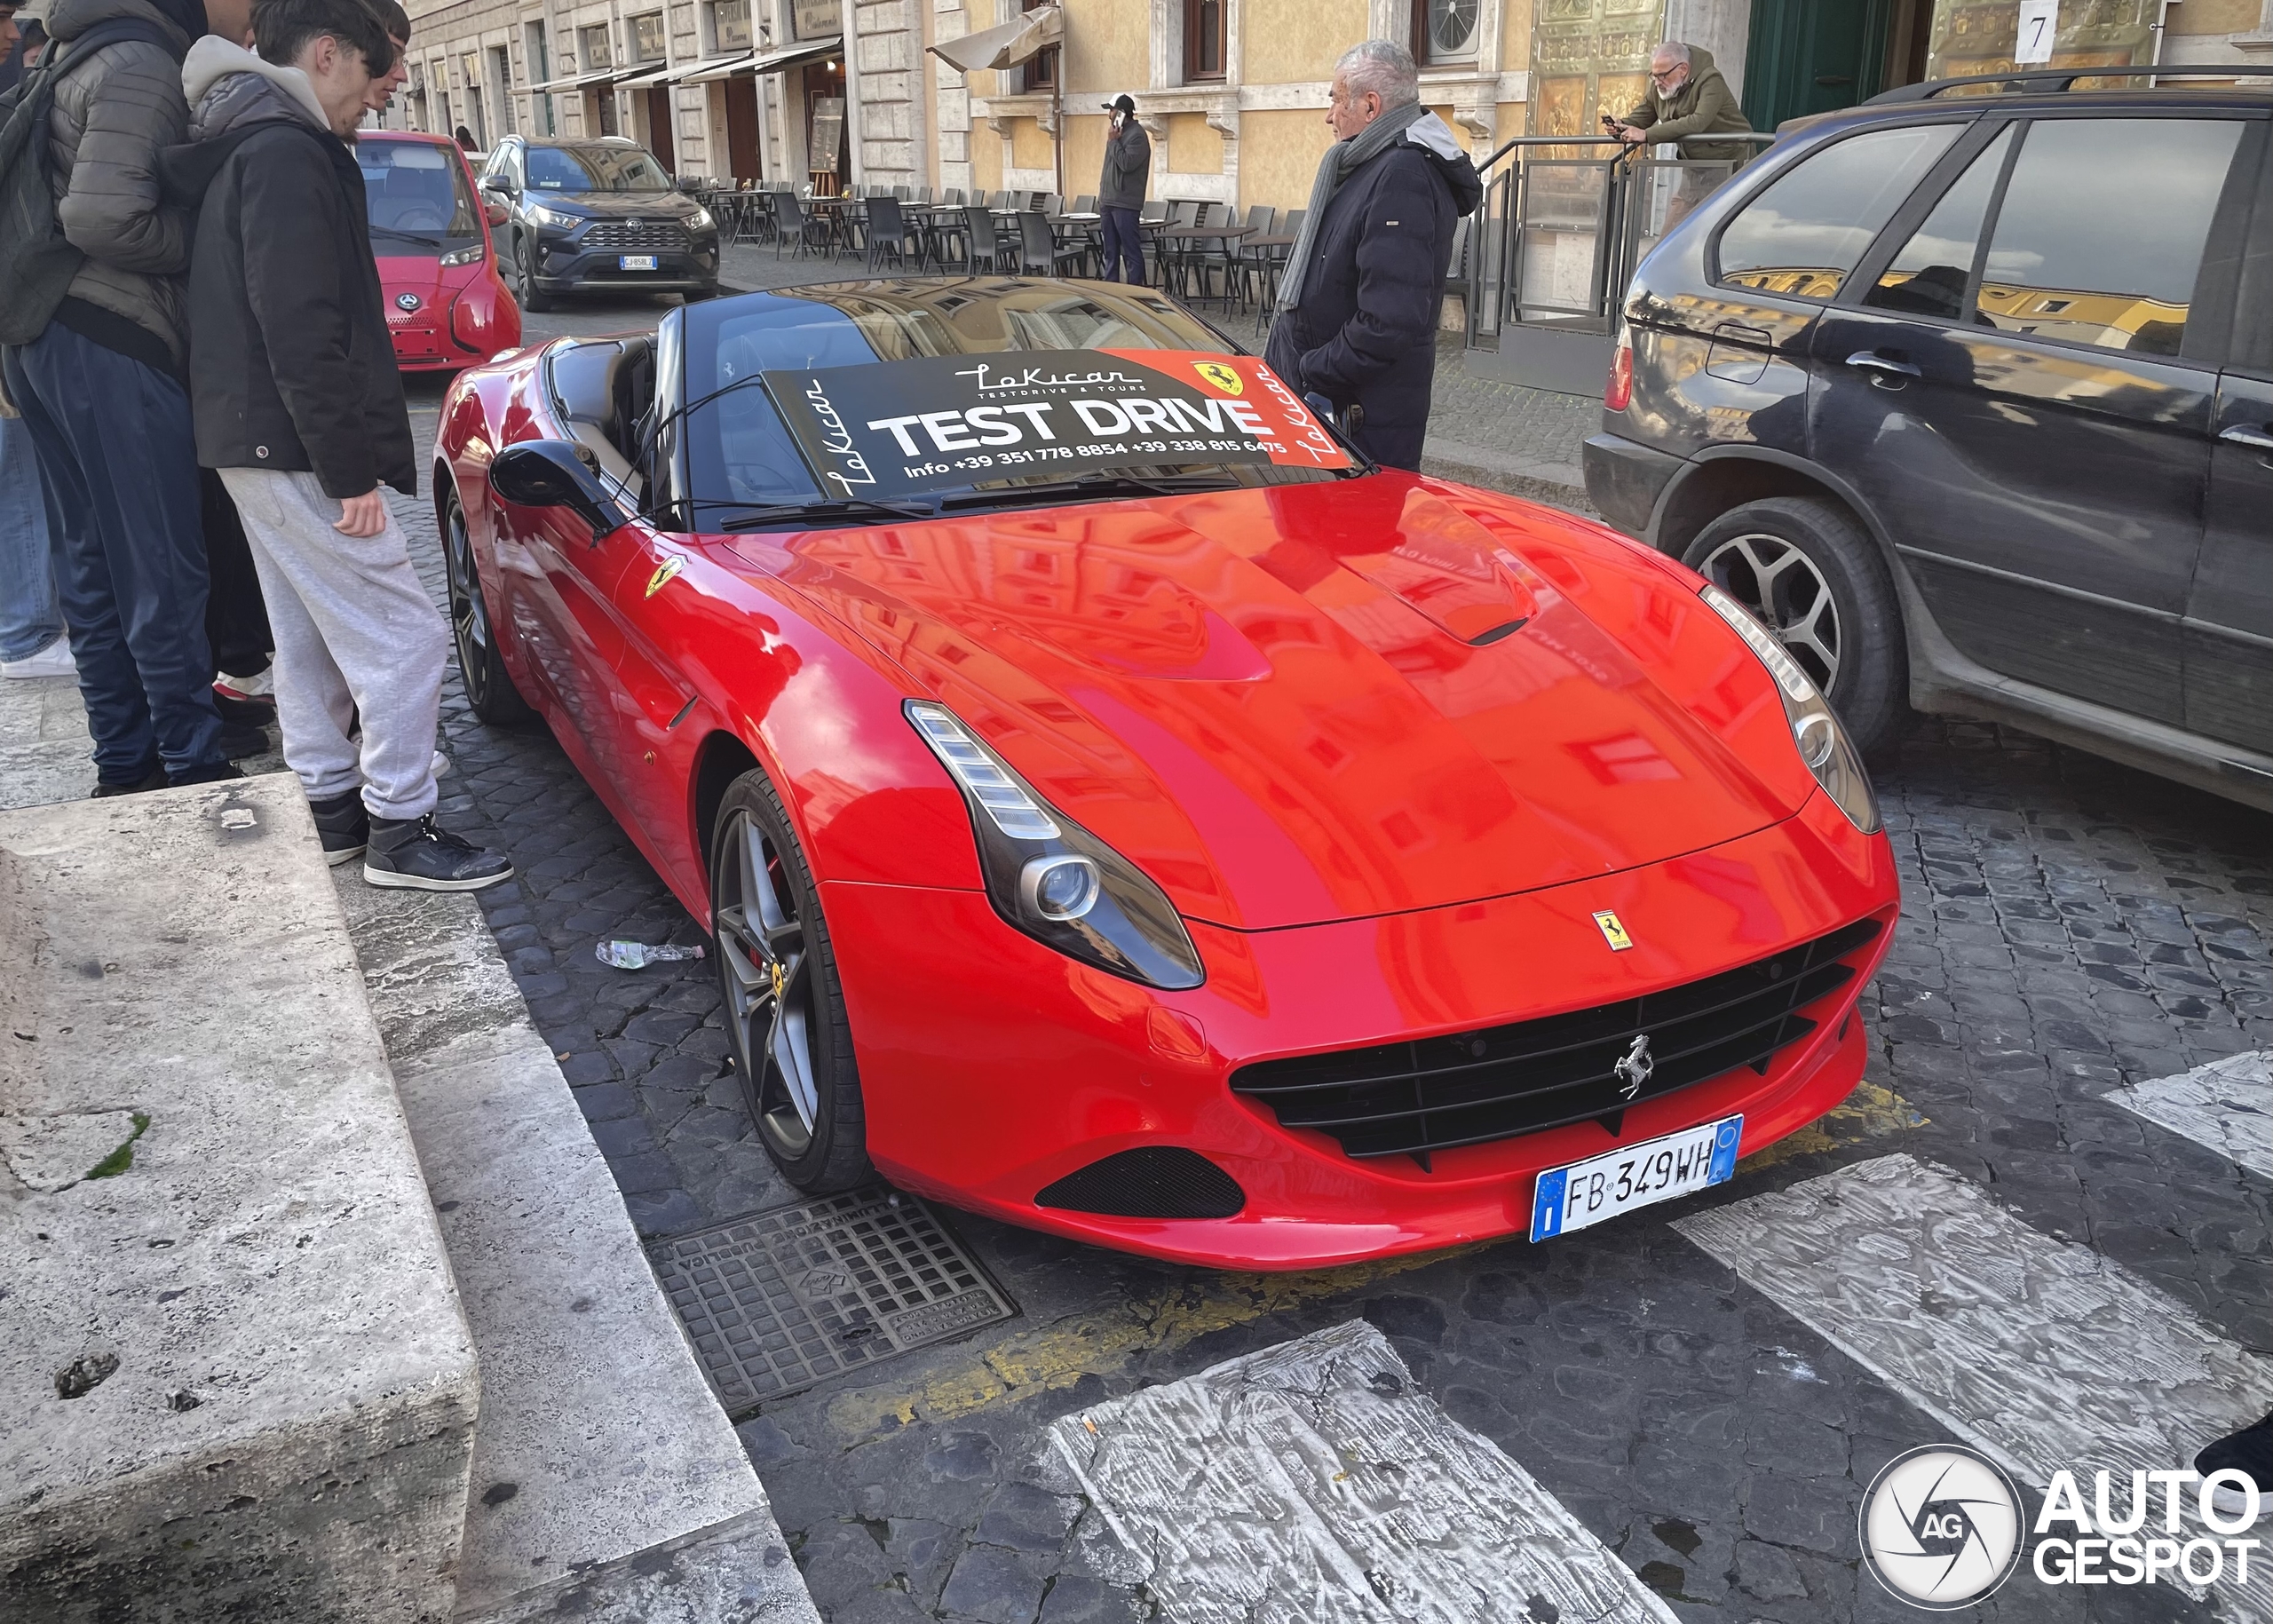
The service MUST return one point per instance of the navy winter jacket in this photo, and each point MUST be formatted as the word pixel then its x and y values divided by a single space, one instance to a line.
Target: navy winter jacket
pixel 1365 334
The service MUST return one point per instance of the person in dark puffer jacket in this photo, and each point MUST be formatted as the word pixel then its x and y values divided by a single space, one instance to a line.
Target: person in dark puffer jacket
pixel 1364 281
pixel 299 406
pixel 102 393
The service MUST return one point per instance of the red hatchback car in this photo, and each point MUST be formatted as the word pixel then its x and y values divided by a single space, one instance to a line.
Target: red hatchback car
pixel 447 306
pixel 1119 809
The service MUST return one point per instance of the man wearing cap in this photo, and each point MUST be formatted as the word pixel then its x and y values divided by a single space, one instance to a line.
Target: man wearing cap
pixel 1120 194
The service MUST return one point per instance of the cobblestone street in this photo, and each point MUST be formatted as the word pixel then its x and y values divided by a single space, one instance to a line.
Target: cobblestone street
pixel 2070 929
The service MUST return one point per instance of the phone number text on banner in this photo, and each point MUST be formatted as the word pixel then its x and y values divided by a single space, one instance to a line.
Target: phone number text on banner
pixel 955 421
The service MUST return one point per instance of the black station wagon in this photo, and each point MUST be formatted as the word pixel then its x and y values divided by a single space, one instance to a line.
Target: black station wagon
pixel 1969 393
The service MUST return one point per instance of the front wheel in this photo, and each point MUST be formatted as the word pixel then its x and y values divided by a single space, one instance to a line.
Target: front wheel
pixel 1817 581
pixel 532 297
pixel 784 1005
pixel 489 685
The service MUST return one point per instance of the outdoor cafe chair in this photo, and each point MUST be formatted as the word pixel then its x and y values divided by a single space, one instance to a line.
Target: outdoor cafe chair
pixel 985 246
pixel 889 233
pixel 1040 252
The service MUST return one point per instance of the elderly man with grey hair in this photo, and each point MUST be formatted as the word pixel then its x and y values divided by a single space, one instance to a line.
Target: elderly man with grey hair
pixel 1688 98
pixel 1365 282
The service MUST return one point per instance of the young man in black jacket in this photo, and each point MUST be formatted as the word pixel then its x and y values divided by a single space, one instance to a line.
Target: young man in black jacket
pixel 299 406
pixel 1364 281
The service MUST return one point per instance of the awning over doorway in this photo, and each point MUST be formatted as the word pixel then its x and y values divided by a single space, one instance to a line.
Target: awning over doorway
pixel 579 82
pixel 726 67
pixel 1005 45
pixel 799 55
pixel 660 75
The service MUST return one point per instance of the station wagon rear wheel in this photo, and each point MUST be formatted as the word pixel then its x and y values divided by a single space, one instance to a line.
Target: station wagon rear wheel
pixel 1816 580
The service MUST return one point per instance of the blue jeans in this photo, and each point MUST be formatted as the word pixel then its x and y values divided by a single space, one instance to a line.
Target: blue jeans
pixel 29 620
pixel 118 467
pixel 1123 242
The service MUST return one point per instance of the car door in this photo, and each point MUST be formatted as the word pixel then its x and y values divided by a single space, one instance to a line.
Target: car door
pixel 2016 383
pixel 2230 613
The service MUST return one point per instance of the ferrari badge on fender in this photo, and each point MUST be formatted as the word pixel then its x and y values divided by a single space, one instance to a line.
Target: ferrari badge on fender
pixel 664 571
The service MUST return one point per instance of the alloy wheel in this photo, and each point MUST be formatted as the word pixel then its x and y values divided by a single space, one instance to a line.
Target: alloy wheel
pixel 763 963
pixel 1783 586
pixel 469 616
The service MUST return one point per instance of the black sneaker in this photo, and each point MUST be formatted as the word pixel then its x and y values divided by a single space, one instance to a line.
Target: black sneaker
pixel 413 854
pixel 238 740
pixel 343 826
pixel 154 778
pixel 214 773
pixel 2249 1451
pixel 257 712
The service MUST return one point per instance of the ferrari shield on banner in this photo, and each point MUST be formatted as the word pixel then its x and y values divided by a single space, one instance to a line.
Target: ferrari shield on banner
pixel 899 427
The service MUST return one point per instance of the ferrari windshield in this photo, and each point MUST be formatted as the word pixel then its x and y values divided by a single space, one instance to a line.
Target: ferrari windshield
pixel 953 395
pixel 415 196
pixel 595 169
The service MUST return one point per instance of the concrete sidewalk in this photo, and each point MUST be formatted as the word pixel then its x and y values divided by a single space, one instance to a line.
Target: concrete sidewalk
pixel 604 1481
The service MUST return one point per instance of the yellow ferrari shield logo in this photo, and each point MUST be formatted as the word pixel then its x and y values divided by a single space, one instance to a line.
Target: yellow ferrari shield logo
pixel 1612 932
pixel 664 571
pixel 1222 376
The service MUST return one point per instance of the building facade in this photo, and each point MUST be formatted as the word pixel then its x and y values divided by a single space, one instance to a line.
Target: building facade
pixel 845 93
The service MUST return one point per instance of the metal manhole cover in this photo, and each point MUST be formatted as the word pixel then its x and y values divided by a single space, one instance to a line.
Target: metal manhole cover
pixel 780 1300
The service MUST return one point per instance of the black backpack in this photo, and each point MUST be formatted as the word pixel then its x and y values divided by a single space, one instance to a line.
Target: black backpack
pixel 36 265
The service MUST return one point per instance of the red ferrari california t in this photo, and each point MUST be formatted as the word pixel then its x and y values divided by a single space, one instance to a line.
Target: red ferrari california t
pixel 446 306
pixel 1121 810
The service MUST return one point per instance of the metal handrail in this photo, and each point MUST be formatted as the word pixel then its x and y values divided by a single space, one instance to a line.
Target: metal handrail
pixel 2020 81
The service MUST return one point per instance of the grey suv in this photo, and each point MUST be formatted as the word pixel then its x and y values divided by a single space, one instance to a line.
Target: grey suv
pixel 1970 398
pixel 597 214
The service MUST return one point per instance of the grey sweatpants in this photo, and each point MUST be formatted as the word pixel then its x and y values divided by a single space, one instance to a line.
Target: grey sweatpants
pixel 356 635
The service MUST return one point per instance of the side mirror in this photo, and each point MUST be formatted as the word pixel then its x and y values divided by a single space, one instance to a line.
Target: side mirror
pixel 494 212
pixel 552 473
pixel 502 184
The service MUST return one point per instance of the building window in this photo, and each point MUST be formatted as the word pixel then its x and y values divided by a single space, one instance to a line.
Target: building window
pixel 592 46
pixel 1203 39
pixel 649 42
pixel 1443 30
pixel 1041 69
pixel 729 25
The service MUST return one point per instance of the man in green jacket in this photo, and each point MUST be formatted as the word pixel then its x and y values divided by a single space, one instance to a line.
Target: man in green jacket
pixel 1688 98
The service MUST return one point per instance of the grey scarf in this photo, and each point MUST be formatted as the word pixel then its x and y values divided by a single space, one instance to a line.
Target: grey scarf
pixel 1341 161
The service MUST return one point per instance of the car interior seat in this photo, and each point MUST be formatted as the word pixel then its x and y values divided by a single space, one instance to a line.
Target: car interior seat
pixel 603 389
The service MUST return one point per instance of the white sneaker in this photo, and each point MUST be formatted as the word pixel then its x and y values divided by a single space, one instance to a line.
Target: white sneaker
pixel 261 686
pixel 53 660
pixel 441 765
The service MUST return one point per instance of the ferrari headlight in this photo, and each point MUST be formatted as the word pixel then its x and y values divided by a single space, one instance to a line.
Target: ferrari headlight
pixel 1823 743
pixel 1051 878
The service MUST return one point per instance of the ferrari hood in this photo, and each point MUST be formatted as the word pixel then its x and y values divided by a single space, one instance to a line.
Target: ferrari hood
pixel 1301 704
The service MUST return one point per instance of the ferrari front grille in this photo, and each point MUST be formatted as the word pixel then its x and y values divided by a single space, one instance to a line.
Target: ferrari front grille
pixel 665 234
pixel 1431 1094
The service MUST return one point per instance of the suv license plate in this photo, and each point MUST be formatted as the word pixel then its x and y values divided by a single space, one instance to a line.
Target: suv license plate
pixel 1600 1187
pixel 636 262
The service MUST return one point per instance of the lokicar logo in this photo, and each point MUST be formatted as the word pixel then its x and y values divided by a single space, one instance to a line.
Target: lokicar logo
pixel 1222 376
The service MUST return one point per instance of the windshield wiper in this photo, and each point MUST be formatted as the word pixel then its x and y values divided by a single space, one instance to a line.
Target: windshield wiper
pixel 406 236
pixel 1096 485
pixel 755 518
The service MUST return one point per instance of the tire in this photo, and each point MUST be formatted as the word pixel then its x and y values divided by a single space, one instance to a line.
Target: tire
pixel 1816 580
pixel 533 298
pixel 786 1026
pixel 489 687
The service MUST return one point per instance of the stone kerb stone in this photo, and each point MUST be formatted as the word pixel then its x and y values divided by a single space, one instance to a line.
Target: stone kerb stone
pixel 235 1377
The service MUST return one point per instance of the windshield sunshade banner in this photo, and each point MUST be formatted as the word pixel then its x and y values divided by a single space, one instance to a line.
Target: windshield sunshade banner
pixel 895 428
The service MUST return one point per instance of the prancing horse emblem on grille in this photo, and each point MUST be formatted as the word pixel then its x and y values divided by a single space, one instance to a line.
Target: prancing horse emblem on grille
pixel 1635 1069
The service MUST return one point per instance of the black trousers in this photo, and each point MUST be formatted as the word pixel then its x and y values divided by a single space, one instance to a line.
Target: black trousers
pixel 1123 242
pixel 236 615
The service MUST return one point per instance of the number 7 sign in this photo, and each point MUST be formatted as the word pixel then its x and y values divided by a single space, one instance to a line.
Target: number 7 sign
pixel 2039 24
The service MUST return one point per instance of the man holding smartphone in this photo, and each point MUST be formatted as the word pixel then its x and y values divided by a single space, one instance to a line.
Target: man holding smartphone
pixel 1120 194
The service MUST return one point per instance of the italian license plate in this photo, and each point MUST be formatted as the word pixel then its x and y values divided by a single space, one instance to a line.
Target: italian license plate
pixel 1600 1187
pixel 636 262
